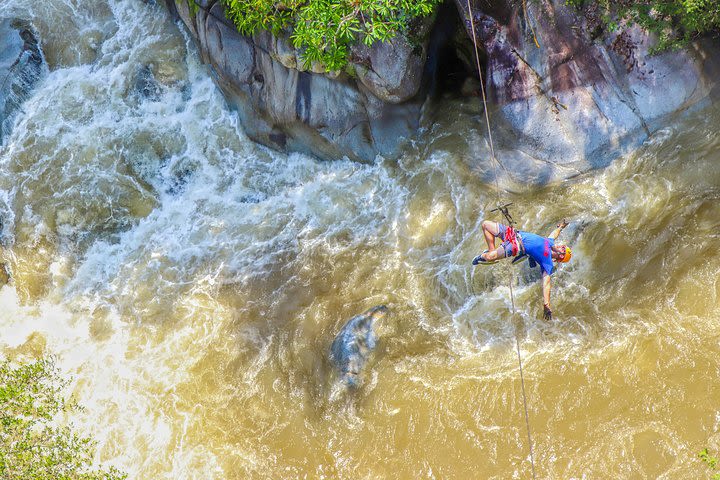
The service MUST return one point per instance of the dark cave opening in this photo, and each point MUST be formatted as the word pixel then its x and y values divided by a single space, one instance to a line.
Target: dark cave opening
pixel 451 66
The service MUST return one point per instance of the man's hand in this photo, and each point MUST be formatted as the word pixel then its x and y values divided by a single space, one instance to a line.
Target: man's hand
pixel 559 228
pixel 547 313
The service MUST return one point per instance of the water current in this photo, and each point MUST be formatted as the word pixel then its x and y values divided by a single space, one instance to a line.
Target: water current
pixel 192 282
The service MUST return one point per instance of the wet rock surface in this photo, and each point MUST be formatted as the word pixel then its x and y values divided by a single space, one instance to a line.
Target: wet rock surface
pixel 4 275
pixel 290 108
pixel 21 66
pixel 145 86
pixel 566 96
pixel 354 344
pixel 584 96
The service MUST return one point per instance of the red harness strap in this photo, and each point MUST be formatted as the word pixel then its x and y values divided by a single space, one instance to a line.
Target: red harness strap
pixel 511 236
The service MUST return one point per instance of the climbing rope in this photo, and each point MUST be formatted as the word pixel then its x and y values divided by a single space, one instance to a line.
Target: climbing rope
pixel 504 210
pixel 527 20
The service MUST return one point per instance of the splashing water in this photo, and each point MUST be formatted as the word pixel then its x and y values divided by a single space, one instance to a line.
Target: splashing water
pixel 192 283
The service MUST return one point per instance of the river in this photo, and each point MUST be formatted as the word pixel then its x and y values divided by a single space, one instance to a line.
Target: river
pixel 191 282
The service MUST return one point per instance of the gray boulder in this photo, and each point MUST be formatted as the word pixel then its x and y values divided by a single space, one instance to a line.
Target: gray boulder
pixel 21 66
pixel 392 71
pixel 289 107
pixel 577 102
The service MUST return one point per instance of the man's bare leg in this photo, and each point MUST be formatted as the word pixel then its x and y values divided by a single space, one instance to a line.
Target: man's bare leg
pixel 490 231
pixel 493 255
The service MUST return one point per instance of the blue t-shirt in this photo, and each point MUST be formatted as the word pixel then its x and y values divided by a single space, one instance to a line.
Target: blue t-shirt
pixel 538 249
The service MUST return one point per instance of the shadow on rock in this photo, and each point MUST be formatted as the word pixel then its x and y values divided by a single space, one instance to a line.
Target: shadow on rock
pixel 21 66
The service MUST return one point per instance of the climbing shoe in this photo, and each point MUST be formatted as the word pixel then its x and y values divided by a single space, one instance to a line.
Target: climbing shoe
pixel 479 260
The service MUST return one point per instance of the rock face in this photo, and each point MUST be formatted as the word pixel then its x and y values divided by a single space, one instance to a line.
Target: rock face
pixel 21 65
pixel 354 344
pixel 577 102
pixel 329 115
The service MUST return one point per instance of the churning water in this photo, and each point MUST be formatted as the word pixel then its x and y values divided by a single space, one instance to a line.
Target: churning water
pixel 192 282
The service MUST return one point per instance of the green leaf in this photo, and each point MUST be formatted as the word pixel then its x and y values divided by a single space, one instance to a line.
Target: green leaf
pixel 324 30
pixel 30 447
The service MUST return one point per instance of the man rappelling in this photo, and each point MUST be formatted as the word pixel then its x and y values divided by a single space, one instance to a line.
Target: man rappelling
pixel 540 250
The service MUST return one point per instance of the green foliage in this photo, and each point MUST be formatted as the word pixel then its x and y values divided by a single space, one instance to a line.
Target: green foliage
pixel 192 7
pixel 325 29
pixel 675 22
pixel 31 447
pixel 711 462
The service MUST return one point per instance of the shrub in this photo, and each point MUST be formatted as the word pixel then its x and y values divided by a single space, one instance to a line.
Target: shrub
pixel 324 29
pixel 30 446
pixel 675 22
pixel 711 462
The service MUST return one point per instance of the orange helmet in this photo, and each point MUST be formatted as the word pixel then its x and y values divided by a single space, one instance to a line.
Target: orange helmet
pixel 567 256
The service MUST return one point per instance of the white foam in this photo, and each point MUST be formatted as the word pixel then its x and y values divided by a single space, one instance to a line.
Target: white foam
pixel 155 207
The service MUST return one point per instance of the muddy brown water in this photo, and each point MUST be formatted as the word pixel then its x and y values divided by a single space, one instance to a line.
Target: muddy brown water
pixel 191 282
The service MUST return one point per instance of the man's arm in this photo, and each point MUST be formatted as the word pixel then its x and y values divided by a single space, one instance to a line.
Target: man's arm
pixel 547 312
pixel 560 226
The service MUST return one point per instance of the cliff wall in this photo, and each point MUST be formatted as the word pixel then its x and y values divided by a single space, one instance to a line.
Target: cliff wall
pixel 567 96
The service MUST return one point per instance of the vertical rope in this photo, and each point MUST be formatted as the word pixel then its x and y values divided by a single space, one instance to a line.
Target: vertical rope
pixel 497 192
pixel 522 384
pixel 527 19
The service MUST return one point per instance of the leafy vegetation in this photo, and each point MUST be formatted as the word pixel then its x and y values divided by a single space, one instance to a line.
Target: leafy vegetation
pixel 324 29
pixel 675 22
pixel 711 462
pixel 31 447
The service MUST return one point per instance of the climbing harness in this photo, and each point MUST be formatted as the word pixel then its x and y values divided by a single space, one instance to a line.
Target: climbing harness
pixel 503 208
pixel 512 236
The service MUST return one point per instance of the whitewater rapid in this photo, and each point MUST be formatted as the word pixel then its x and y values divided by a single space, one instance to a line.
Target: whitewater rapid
pixel 192 282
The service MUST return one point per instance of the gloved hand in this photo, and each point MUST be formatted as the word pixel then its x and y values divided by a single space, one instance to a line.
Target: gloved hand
pixel 547 313
pixel 563 224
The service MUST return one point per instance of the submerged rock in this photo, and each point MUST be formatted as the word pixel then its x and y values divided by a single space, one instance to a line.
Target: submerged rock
pixel 354 345
pixel 21 66
pixel 145 85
